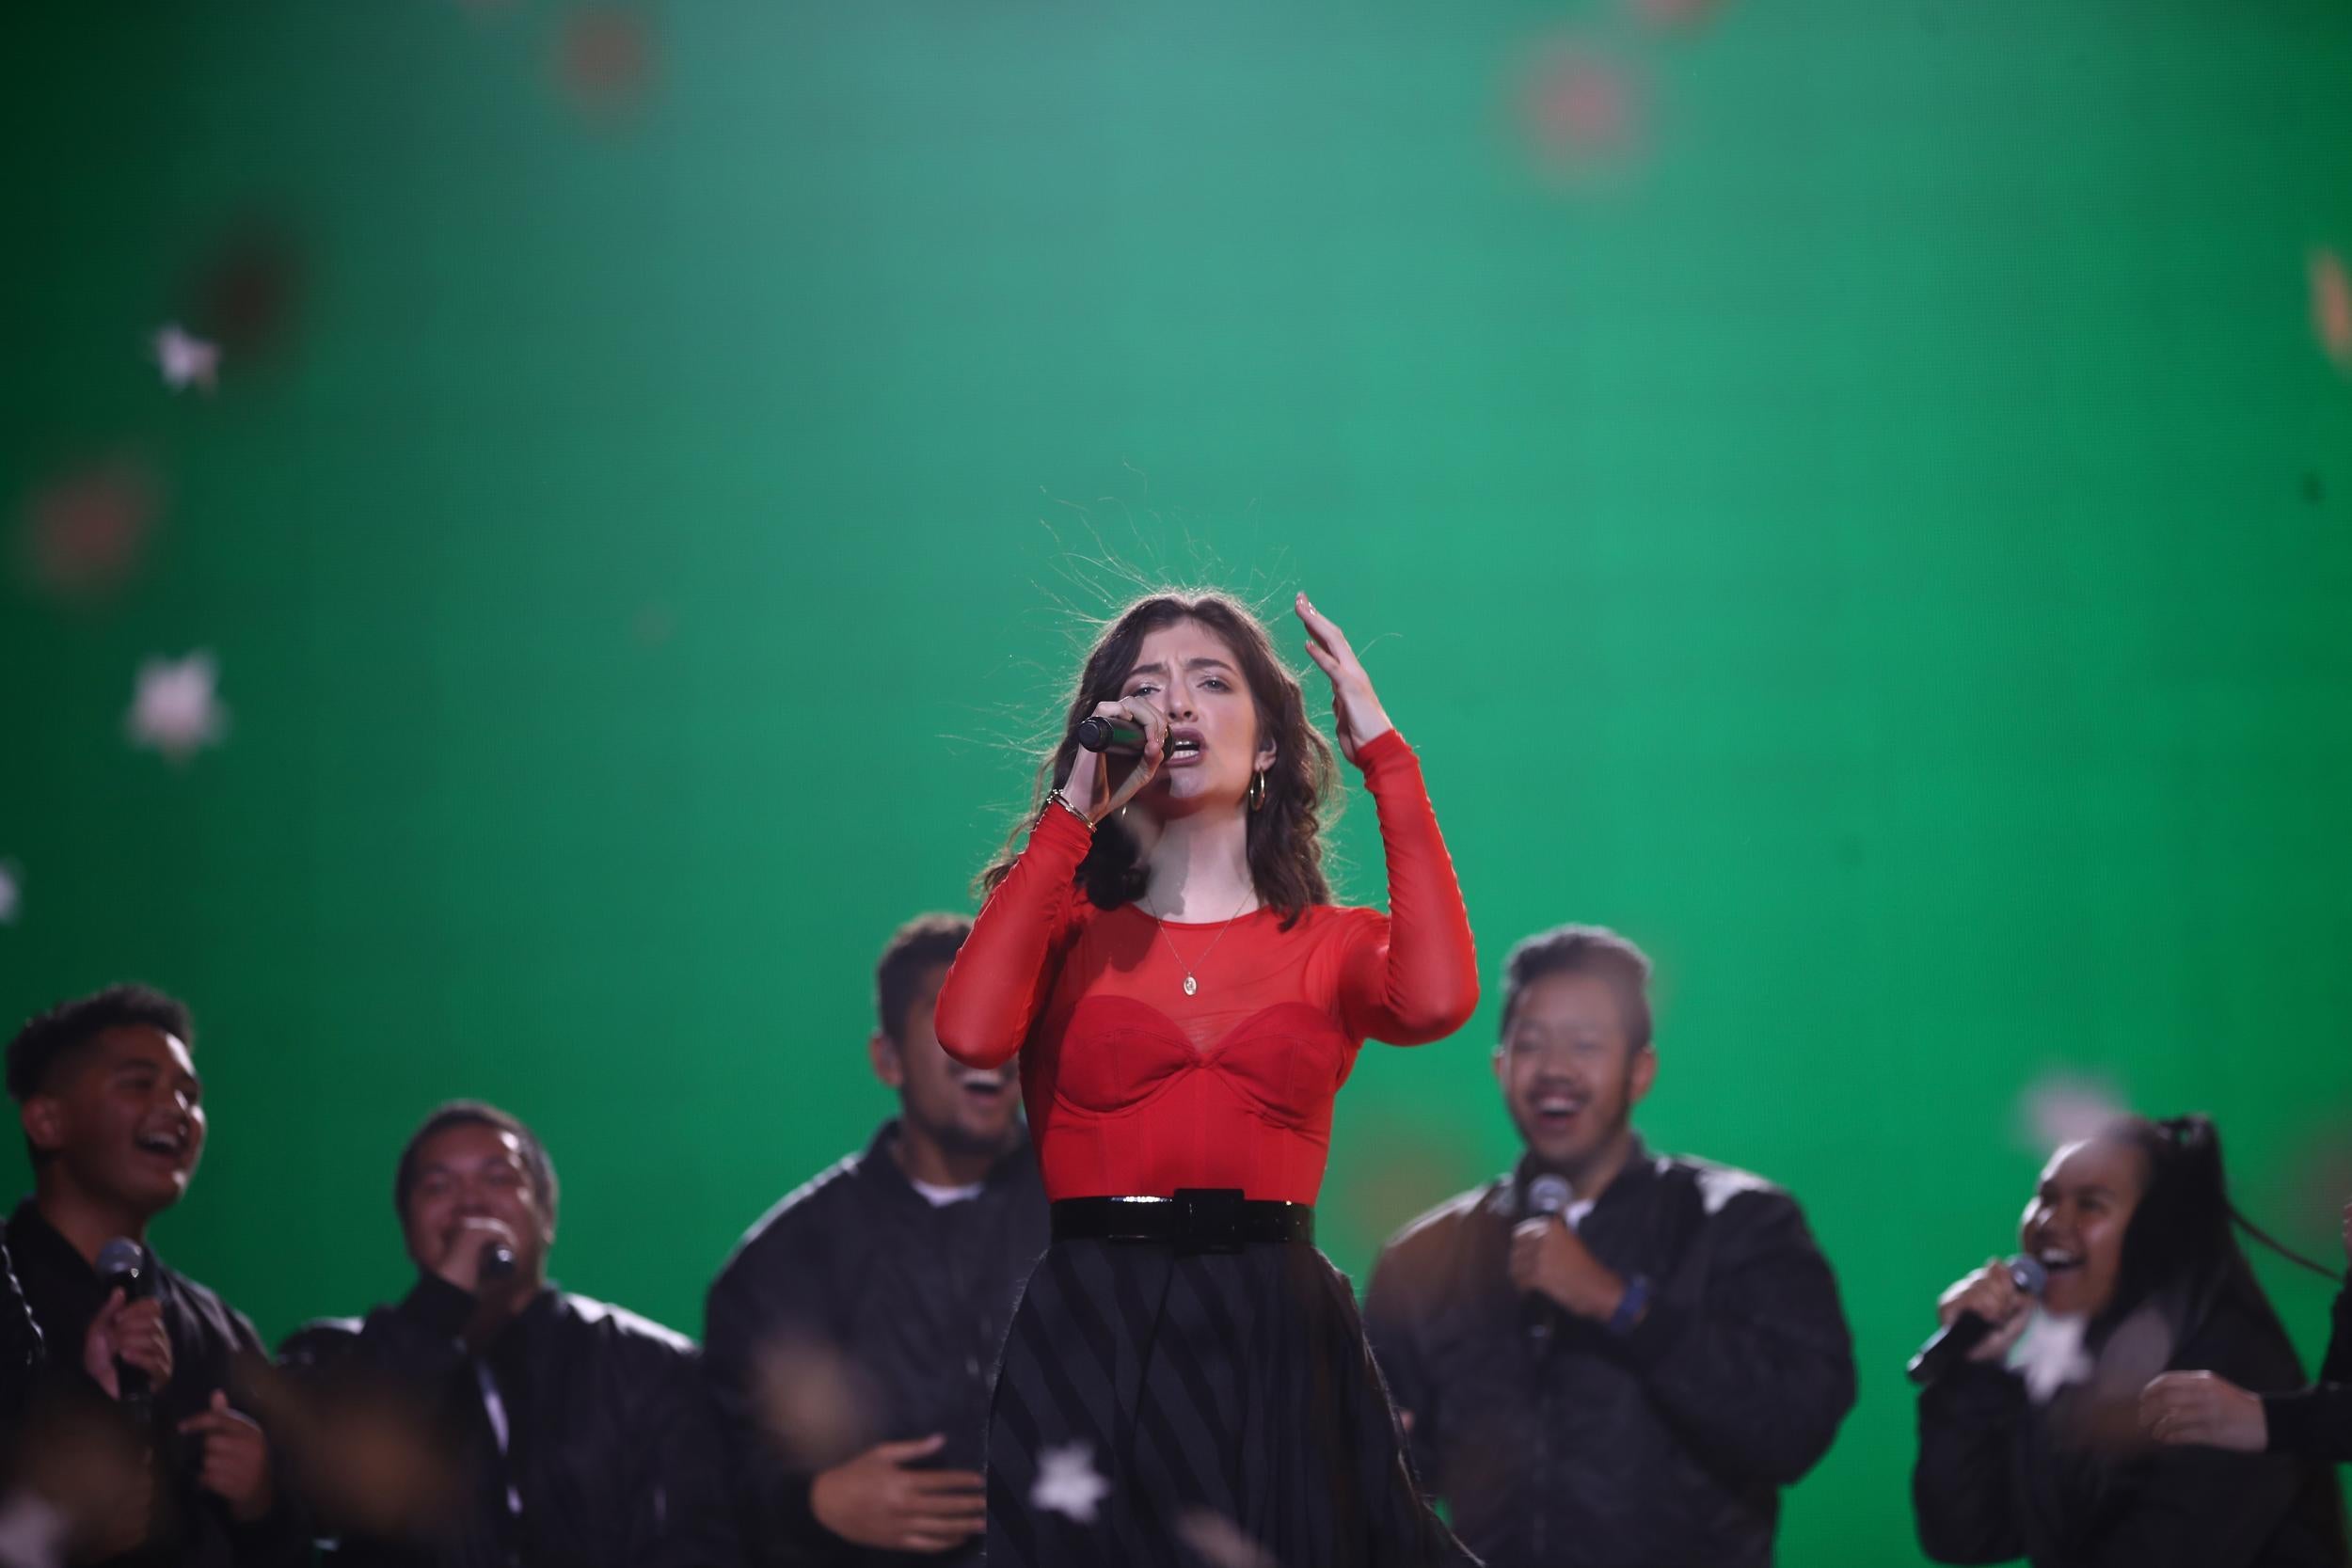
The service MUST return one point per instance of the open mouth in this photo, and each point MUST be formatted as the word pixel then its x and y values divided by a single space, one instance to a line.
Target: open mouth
pixel 1556 1109
pixel 2059 1260
pixel 987 1087
pixel 1183 748
pixel 163 1143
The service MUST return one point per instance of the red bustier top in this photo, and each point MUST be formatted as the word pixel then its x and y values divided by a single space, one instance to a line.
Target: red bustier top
pixel 1135 1088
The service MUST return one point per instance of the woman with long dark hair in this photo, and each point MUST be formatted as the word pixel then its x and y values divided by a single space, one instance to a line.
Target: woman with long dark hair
pixel 1163 952
pixel 2034 1450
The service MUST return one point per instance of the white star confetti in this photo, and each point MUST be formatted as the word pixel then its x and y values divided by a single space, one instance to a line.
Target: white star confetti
pixel 1066 1483
pixel 187 361
pixel 11 892
pixel 2051 1355
pixel 176 711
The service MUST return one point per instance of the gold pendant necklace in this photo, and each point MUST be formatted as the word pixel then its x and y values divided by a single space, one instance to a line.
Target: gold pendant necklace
pixel 1192 987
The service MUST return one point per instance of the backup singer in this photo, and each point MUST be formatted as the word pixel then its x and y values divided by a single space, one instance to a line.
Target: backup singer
pixel 2133 1226
pixel 1187 1000
pixel 571 1433
pixel 114 1119
pixel 1629 1375
pixel 895 1271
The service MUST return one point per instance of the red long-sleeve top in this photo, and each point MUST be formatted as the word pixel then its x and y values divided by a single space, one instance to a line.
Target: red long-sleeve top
pixel 1135 1088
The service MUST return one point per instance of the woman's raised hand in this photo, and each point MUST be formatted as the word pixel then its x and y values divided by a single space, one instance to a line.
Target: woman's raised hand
pixel 1355 708
pixel 1085 788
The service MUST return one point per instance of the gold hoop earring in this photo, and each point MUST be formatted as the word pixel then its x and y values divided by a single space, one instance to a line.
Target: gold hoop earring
pixel 1257 789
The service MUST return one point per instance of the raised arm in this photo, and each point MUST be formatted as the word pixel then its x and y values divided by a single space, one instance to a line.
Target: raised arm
pixel 1001 976
pixel 1413 977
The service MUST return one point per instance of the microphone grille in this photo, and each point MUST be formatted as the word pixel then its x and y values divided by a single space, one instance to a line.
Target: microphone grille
pixel 2028 1274
pixel 121 1255
pixel 1550 1195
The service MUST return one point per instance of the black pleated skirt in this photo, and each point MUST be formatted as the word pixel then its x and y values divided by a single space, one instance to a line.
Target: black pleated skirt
pixel 1226 1402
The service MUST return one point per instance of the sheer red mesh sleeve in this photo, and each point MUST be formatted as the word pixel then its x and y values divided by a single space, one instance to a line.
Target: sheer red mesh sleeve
pixel 1005 968
pixel 1412 977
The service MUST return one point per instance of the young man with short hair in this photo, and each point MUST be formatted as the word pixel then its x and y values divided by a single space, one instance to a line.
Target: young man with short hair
pixel 573 1432
pixel 113 1113
pixel 887 1280
pixel 1610 1358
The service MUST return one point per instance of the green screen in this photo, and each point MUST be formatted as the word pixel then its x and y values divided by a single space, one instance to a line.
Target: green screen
pixel 1851 493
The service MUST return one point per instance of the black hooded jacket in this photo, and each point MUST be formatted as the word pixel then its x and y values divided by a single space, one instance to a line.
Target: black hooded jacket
pixel 858 1285
pixel 21 1350
pixel 610 1452
pixel 1560 1445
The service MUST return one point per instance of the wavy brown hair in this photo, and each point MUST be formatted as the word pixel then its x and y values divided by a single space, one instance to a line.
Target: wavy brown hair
pixel 1285 848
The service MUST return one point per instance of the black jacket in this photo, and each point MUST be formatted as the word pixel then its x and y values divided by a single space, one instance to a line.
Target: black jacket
pixel 213 1347
pixel 1560 1445
pixel 2317 1422
pixel 20 1354
pixel 611 1448
pixel 860 1285
pixel 1996 1480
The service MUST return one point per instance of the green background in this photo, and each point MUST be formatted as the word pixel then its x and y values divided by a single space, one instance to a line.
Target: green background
pixel 1877 537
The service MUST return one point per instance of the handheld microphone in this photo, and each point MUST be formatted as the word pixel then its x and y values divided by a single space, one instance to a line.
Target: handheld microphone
pixel 1118 736
pixel 122 1266
pixel 497 1265
pixel 1948 1346
pixel 1547 1195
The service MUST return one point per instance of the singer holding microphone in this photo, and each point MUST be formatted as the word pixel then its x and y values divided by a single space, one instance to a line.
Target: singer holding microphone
pixel 2030 1440
pixel 1162 953
pixel 114 1120
pixel 1609 1357
pixel 568 1431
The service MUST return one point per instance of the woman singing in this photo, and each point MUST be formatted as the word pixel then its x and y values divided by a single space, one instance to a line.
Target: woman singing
pixel 1187 1000
pixel 2133 1229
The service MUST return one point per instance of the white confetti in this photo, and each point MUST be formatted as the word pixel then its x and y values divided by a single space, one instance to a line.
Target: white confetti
pixel 176 711
pixel 2060 1108
pixel 1067 1482
pixel 2051 1355
pixel 11 892
pixel 188 360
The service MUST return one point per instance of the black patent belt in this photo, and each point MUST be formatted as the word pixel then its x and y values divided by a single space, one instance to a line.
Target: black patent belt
pixel 1197 1219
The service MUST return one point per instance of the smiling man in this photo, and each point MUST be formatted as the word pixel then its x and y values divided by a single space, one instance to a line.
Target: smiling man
pixel 114 1119
pixel 854 1334
pixel 568 1431
pixel 1609 1357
